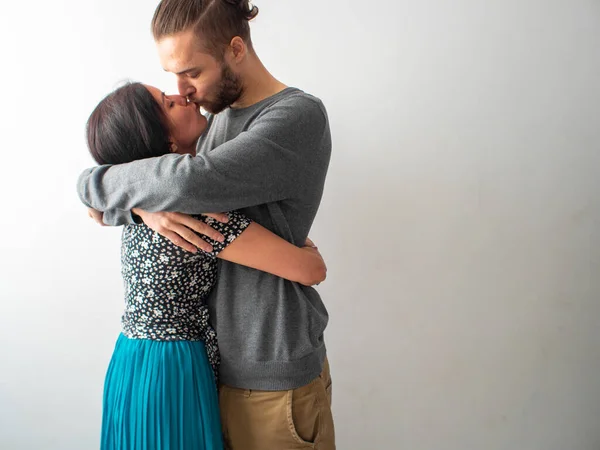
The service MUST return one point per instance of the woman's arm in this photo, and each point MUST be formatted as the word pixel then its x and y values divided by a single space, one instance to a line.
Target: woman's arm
pixel 249 244
pixel 261 249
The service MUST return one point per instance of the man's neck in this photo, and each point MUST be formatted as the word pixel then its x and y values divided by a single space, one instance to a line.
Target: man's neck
pixel 258 84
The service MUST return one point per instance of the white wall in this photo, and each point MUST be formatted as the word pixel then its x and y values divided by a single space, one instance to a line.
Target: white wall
pixel 461 221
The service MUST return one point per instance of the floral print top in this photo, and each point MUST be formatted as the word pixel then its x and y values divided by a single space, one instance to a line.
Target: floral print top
pixel 165 286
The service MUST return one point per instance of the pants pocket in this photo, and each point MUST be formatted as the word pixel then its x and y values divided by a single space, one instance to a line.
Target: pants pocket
pixel 303 414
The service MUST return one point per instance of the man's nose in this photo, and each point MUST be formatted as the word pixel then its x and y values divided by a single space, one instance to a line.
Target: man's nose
pixel 184 88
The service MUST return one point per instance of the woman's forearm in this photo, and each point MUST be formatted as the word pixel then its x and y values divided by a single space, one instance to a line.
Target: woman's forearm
pixel 261 249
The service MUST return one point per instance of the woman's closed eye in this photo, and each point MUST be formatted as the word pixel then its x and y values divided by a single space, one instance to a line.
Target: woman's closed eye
pixel 167 100
pixel 170 103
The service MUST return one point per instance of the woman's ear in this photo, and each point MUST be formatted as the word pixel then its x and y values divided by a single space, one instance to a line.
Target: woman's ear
pixel 173 147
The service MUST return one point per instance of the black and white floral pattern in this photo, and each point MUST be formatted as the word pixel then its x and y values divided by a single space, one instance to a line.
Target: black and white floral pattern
pixel 165 286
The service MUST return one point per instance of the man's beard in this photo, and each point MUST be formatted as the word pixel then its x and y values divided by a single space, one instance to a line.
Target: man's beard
pixel 228 92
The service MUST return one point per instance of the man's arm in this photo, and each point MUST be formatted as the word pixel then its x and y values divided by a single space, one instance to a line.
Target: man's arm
pixel 270 161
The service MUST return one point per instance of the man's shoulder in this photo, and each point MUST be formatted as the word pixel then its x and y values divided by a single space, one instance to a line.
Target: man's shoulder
pixel 297 97
pixel 276 114
pixel 295 105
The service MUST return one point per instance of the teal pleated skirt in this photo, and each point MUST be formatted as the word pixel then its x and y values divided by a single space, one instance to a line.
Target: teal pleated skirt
pixel 160 395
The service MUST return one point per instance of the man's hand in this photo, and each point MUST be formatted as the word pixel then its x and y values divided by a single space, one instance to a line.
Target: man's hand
pixel 96 215
pixel 179 228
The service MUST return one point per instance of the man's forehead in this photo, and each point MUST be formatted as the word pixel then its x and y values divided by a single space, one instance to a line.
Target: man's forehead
pixel 181 52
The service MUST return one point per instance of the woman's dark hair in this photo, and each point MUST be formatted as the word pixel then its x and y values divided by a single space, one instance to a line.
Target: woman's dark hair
pixel 128 124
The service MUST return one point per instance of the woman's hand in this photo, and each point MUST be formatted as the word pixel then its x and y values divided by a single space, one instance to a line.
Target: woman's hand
pixel 181 229
pixel 320 273
pixel 310 243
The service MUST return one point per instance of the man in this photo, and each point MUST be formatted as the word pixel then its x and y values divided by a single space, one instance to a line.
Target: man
pixel 265 152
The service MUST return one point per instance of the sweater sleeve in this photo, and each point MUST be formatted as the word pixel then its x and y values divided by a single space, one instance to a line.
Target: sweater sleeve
pixel 270 161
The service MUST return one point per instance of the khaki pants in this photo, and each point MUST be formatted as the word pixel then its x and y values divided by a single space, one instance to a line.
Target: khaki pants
pixel 279 420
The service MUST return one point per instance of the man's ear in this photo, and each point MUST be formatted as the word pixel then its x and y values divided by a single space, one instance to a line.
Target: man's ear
pixel 238 49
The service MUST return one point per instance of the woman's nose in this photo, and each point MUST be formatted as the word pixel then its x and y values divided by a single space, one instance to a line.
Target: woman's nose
pixel 179 99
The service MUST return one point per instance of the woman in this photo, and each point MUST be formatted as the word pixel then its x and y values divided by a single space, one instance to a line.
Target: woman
pixel 160 388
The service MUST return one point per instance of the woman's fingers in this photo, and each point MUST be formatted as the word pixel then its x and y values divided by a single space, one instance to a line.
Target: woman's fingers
pixel 310 243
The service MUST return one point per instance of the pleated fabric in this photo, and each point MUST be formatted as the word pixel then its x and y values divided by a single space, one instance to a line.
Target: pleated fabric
pixel 160 395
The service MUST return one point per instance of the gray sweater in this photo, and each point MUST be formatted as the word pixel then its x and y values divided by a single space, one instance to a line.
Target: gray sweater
pixel 269 161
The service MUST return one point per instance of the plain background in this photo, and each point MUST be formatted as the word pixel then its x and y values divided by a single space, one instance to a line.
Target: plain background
pixel 460 222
